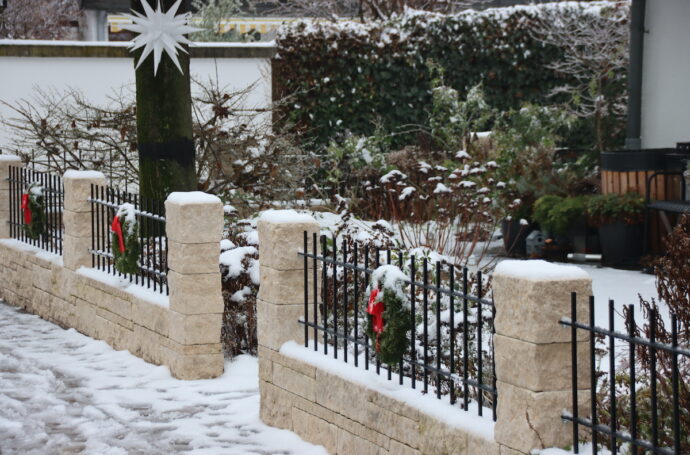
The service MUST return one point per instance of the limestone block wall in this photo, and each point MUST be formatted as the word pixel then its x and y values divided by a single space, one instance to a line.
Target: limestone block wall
pixel 181 331
pixel 325 406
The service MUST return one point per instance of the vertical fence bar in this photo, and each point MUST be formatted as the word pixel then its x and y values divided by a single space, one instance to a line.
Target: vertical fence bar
pixel 366 286
pixel 652 359
pixel 592 374
pixel 633 392
pixel 451 306
pixel 378 264
pixel 60 218
pixel 345 306
pixel 139 201
pixel 335 298
pixel 465 343
pixel 401 364
pixel 413 323
pixel 11 188
pixel 98 209
pixel 480 353
pixel 494 402
pixel 425 302
pixel 388 261
pixel 355 278
pixel 324 298
pixel 53 208
pixel 152 233
pixel 573 348
pixel 93 230
pixel 675 384
pixel 316 292
pixel 612 379
pixel 41 241
pixel 438 330
pixel 110 197
pixel 165 249
pixel 20 192
pixel 306 291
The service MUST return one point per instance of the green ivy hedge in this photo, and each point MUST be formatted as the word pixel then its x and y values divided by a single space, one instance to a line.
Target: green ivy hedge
pixel 348 76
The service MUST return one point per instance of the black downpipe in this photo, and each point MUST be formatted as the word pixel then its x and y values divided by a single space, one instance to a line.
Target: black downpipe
pixel 633 137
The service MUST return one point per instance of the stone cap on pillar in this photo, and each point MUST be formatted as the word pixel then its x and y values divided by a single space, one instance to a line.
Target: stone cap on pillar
pixel 78 188
pixel 281 238
pixel 193 217
pixel 531 296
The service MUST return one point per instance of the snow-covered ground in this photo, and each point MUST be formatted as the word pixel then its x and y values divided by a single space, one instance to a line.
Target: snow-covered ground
pixel 62 392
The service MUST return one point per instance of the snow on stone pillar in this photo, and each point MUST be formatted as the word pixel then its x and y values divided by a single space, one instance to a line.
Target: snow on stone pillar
pixel 194 225
pixel 533 352
pixel 76 216
pixel 5 162
pixel 280 303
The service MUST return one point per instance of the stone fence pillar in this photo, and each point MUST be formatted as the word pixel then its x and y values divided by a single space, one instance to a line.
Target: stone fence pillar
pixel 5 162
pixel 280 303
pixel 194 225
pixel 533 352
pixel 76 216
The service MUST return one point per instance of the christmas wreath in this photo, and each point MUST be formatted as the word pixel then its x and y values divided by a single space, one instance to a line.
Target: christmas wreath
pixel 33 208
pixel 389 314
pixel 125 239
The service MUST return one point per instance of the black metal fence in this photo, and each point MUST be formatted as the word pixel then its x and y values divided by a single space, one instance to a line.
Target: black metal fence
pixel 641 401
pixel 153 254
pixel 46 227
pixel 449 351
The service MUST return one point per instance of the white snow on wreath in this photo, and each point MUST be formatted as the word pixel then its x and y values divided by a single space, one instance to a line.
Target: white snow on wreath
pixel 159 32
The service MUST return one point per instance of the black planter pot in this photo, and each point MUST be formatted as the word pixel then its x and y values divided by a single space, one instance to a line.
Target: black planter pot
pixel 514 236
pixel 621 243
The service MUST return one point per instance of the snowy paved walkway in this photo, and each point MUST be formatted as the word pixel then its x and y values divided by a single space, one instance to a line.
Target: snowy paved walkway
pixel 64 393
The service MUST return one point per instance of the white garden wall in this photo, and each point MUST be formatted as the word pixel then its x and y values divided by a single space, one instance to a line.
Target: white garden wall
pixel 665 86
pixel 99 69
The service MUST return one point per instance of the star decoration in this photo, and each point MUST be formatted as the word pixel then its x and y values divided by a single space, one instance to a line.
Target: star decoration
pixel 159 32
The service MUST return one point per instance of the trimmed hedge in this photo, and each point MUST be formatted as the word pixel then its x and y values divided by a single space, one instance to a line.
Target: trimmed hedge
pixel 348 76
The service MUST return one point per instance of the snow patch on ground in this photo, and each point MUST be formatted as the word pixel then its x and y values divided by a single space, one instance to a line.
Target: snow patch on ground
pixel 452 415
pixel 63 392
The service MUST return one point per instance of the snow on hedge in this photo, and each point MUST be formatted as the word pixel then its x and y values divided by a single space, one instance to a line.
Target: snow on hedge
pixel 539 270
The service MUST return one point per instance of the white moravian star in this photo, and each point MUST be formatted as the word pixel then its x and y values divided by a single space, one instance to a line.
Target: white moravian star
pixel 159 32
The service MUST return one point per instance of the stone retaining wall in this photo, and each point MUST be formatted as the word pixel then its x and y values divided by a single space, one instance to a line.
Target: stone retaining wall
pixel 181 331
pixel 325 406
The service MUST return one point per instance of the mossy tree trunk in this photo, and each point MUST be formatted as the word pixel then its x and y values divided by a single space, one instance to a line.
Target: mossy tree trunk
pixel 164 121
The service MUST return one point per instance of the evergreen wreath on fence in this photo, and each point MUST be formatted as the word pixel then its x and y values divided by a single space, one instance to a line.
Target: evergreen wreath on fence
pixel 125 239
pixel 33 208
pixel 389 315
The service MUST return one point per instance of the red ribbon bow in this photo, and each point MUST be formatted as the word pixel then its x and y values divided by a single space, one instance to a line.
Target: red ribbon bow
pixel 117 229
pixel 375 309
pixel 26 208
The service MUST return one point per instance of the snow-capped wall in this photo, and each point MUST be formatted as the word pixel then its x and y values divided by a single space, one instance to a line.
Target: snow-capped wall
pixel 100 69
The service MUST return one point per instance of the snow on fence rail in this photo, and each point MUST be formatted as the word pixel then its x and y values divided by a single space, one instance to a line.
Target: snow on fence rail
pixel 152 260
pixel 36 201
pixel 450 349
